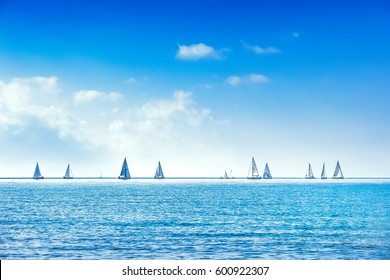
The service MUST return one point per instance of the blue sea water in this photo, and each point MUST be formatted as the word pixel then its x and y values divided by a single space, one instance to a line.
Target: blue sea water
pixel 195 219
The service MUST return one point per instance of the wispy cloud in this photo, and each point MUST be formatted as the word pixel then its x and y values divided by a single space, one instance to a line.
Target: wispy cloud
pixel 258 78
pixel 247 79
pixel 136 80
pixel 84 96
pixel 197 52
pixel 233 80
pixel 260 50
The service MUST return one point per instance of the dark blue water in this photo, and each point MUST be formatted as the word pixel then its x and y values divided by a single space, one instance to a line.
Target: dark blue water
pixel 195 219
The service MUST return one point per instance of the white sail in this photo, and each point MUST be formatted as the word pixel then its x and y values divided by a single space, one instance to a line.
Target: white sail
pixel 323 173
pixel 159 173
pixel 68 173
pixel 37 173
pixel 338 174
pixel 253 171
pixel 267 173
pixel 125 173
pixel 225 176
pixel 309 174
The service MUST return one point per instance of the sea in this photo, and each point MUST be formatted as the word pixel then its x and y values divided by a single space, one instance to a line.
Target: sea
pixel 193 219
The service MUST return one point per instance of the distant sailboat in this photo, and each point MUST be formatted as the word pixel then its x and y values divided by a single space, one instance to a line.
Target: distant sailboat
pixel 338 174
pixel 125 173
pixel 267 173
pixel 309 174
pixel 159 172
pixel 323 173
pixel 226 176
pixel 37 173
pixel 68 173
pixel 253 171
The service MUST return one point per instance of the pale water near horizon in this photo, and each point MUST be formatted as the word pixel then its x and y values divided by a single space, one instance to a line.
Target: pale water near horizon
pixel 195 219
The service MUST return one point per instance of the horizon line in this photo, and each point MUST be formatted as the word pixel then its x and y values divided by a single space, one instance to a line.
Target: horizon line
pixel 191 177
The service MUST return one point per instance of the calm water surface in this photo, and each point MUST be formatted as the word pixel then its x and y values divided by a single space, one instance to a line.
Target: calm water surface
pixel 195 219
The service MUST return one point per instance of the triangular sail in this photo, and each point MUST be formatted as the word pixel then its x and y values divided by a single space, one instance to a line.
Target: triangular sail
pixel 68 174
pixel 309 174
pixel 338 173
pixel 125 173
pixel 323 173
pixel 225 176
pixel 159 173
pixel 253 171
pixel 37 173
pixel 267 173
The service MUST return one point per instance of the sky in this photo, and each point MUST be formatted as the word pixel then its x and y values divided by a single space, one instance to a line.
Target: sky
pixel 201 86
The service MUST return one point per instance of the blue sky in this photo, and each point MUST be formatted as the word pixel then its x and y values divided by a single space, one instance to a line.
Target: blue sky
pixel 201 86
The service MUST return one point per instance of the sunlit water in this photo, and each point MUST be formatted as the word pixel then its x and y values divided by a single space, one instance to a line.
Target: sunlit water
pixel 195 219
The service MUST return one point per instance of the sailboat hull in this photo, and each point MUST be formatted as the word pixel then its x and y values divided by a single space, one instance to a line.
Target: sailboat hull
pixel 254 178
pixel 67 177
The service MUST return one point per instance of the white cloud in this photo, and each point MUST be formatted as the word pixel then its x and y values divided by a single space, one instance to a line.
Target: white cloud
pixel 85 96
pixel 258 78
pixel 98 125
pixel 159 126
pixel 24 100
pixel 24 97
pixel 196 52
pixel 246 79
pixel 233 80
pixel 259 50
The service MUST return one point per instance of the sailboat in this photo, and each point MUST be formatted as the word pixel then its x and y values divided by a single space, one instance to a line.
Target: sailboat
pixel 309 174
pixel 37 173
pixel 338 174
pixel 68 173
pixel 125 173
pixel 226 176
pixel 323 173
pixel 253 172
pixel 267 173
pixel 159 173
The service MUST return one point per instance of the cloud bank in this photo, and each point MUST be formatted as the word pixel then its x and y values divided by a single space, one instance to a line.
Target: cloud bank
pixel 100 123
pixel 260 50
